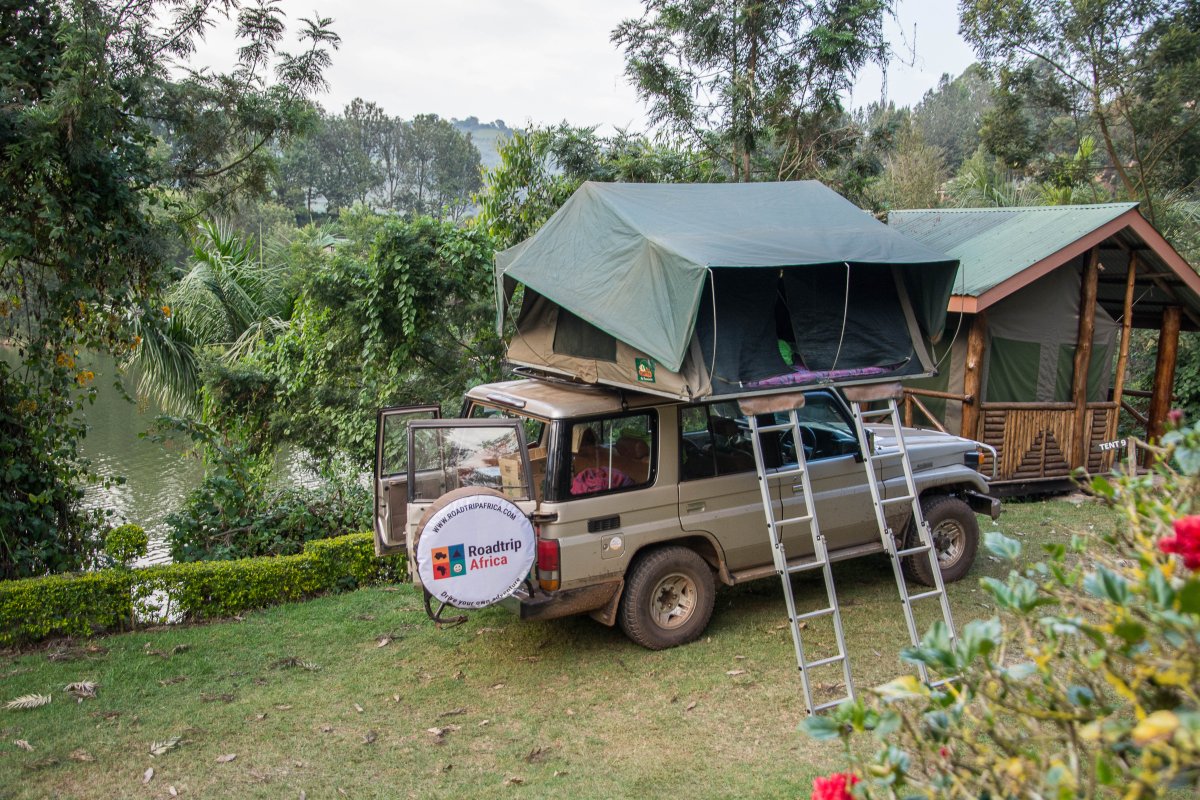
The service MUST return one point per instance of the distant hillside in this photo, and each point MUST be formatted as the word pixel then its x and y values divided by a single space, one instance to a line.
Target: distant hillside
pixel 485 136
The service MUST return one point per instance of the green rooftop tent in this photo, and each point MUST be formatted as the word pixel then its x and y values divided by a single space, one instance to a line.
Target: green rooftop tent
pixel 697 290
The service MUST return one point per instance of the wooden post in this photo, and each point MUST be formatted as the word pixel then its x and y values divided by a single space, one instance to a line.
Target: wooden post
pixel 1164 375
pixel 1123 351
pixel 1081 429
pixel 973 377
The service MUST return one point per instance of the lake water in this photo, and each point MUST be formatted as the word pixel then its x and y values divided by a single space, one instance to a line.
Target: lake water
pixel 157 476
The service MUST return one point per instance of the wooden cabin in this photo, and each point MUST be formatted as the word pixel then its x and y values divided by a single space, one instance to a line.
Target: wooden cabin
pixel 1033 359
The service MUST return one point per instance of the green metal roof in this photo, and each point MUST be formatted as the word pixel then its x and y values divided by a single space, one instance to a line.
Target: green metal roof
pixel 994 244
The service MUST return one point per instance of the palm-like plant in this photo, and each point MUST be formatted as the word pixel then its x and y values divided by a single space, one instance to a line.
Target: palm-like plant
pixel 231 297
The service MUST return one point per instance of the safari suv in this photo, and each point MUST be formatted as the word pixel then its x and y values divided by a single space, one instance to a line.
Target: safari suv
pixel 640 506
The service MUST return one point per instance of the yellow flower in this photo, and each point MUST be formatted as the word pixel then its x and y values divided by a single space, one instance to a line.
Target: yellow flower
pixel 166 311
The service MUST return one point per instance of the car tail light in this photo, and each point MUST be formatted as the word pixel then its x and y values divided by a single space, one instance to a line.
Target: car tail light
pixel 547 561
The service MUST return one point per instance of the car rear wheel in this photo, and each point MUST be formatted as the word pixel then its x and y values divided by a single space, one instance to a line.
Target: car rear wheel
pixel 955 538
pixel 668 598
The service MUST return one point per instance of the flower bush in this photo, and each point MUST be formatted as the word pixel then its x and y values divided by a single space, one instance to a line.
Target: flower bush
pixel 1087 682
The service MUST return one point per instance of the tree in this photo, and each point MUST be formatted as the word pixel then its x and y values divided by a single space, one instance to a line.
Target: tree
pixel 913 174
pixel 539 169
pixel 401 312
pixel 732 76
pixel 439 168
pixel 949 116
pixel 107 153
pixel 1126 70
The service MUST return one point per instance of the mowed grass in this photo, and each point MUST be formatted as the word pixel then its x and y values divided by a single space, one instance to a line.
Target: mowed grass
pixel 493 708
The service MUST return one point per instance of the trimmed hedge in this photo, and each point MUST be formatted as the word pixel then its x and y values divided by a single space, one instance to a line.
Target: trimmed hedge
pixel 88 603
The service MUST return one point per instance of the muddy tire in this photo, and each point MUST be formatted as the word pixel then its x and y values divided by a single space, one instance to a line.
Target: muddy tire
pixel 955 536
pixel 668 598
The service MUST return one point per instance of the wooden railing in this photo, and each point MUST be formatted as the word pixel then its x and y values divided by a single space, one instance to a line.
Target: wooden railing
pixel 912 401
pixel 1034 440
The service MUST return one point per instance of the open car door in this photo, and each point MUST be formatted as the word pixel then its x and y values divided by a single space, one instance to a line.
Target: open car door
pixel 391 474
pixel 470 497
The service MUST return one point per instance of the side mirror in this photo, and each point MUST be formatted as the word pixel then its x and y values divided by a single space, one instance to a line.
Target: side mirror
pixel 859 456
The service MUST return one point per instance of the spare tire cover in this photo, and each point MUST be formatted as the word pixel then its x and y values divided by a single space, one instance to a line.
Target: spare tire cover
pixel 475 547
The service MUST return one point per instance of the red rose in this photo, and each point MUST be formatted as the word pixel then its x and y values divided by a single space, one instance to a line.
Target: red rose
pixel 834 787
pixel 1185 543
pixel 1175 417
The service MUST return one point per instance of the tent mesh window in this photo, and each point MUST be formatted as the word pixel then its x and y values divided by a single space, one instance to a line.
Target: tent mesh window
pixel 580 339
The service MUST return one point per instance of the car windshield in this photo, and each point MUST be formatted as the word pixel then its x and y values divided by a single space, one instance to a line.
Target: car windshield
pixel 450 454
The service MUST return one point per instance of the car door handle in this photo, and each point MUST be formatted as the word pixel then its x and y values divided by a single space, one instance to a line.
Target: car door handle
pixel 692 508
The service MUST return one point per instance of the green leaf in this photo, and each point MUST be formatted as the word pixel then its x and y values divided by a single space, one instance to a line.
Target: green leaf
pixel 1022 671
pixel 1131 632
pixel 1002 546
pixel 1189 597
pixel 822 728
pixel 1105 584
pixel 906 687
pixel 889 723
pixel 1106 775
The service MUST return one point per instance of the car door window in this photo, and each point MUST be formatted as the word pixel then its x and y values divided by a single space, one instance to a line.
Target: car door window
pixel 824 429
pixel 714 440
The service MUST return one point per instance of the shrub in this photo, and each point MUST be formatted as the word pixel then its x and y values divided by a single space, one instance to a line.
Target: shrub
pixel 222 519
pixel 1086 685
pixel 80 605
pixel 125 544
pixel 65 605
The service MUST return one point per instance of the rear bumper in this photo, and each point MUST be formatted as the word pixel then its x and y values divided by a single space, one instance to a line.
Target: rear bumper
pixel 564 603
pixel 982 503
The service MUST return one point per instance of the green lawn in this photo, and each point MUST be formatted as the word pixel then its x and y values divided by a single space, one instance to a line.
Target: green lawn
pixel 494 708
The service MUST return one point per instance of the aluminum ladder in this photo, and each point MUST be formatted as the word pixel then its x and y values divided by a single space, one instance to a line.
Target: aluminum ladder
pixel 820 561
pixel 897 552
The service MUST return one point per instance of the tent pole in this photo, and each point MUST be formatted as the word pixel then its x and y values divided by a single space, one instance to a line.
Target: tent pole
pixel 1083 358
pixel 973 377
pixel 1164 377
pixel 1123 352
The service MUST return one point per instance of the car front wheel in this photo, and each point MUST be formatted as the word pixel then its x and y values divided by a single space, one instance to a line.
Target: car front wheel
pixel 668 598
pixel 955 539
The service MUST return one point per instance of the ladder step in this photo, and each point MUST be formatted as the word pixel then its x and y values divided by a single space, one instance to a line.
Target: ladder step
pixel 781 426
pixel 886 454
pixel 820 662
pixel 806 566
pixel 794 520
pixel 912 551
pixel 908 498
pixel 829 704
pixel 924 595
pixel 820 612
pixel 879 412
pixel 789 473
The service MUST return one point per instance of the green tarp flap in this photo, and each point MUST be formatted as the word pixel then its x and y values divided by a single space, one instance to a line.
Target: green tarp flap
pixel 633 259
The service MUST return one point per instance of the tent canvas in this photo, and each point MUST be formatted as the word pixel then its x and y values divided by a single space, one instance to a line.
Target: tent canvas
pixel 696 290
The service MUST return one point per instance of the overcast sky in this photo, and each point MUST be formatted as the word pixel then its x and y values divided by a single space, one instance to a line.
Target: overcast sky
pixel 544 61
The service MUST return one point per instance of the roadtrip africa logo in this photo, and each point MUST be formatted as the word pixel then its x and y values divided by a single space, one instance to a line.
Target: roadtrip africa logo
pixel 452 561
